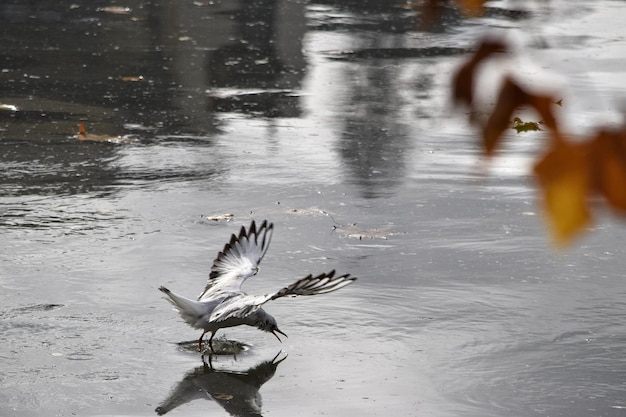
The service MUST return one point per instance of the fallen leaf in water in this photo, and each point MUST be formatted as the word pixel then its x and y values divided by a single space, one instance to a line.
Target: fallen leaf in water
pixel 217 217
pixel 472 7
pixel 8 107
pixel 84 136
pixel 355 232
pixel 133 78
pixel 520 126
pixel 433 11
pixel 115 9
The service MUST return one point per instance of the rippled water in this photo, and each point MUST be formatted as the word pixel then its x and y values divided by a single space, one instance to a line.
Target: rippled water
pixel 331 119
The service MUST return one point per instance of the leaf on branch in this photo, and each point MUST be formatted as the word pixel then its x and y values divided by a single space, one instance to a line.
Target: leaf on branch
pixel 463 80
pixel 608 153
pixel 564 176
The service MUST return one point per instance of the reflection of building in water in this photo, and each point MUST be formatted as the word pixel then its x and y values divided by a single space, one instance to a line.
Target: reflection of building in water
pixel 247 55
pixel 237 392
pixel 386 72
pixel 373 141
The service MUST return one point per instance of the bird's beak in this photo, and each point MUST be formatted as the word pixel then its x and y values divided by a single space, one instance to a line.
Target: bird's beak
pixel 278 331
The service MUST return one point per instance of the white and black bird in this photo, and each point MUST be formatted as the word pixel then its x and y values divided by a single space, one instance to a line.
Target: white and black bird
pixel 223 304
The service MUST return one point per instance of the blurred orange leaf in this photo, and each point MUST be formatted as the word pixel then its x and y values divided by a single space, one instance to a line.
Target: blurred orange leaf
pixel 512 97
pixel 463 81
pixel 564 176
pixel 608 152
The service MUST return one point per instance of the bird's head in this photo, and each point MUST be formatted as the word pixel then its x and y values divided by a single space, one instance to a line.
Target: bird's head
pixel 268 324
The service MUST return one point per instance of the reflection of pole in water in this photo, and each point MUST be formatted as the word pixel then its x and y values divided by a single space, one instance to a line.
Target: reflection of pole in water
pixel 237 392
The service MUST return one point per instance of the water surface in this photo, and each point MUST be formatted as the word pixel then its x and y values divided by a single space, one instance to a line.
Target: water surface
pixel 332 120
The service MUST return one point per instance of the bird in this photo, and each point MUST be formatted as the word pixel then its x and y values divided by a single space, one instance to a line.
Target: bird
pixel 223 303
pixel 235 390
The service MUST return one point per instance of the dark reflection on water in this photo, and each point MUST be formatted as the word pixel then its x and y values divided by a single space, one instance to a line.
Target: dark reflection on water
pixel 49 167
pixel 169 68
pixel 150 63
pixel 236 391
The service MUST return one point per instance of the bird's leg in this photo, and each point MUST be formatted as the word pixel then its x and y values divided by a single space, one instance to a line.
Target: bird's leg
pixel 200 341
pixel 207 365
pixel 211 342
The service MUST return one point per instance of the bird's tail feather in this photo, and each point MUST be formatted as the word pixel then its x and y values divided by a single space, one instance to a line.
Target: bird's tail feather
pixel 191 311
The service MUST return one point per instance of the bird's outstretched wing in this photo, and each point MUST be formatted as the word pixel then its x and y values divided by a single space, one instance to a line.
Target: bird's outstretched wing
pixel 244 305
pixel 239 260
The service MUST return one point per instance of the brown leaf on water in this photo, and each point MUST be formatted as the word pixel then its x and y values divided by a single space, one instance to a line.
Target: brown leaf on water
pixel 84 136
pixel 115 9
pixel 431 11
pixel 521 126
pixel 608 159
pixel 472 8
pixel 564 177
pixel 464 79
pixel 132 78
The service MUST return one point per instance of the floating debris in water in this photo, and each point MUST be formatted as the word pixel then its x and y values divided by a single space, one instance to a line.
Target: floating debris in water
pixel 217 217
pixel 355 232
pixel 90 137
pixel 8 107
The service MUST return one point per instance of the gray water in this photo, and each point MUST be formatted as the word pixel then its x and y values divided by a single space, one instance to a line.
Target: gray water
pixel 332 120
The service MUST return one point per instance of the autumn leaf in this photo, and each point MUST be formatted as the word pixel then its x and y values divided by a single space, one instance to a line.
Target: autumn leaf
pixel 132 78
pixel 564 176
pixel 520 126
pixel 608 153
pixel 463 80
pixel 431 11
pixel 543 106
pixel 84 136
pixel 511 98
pixel 472 7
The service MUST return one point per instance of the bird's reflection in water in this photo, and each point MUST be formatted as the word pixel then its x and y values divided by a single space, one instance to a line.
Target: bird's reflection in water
pixel 236 391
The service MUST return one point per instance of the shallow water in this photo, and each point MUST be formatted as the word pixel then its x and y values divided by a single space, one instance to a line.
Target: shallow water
pixel 331 119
